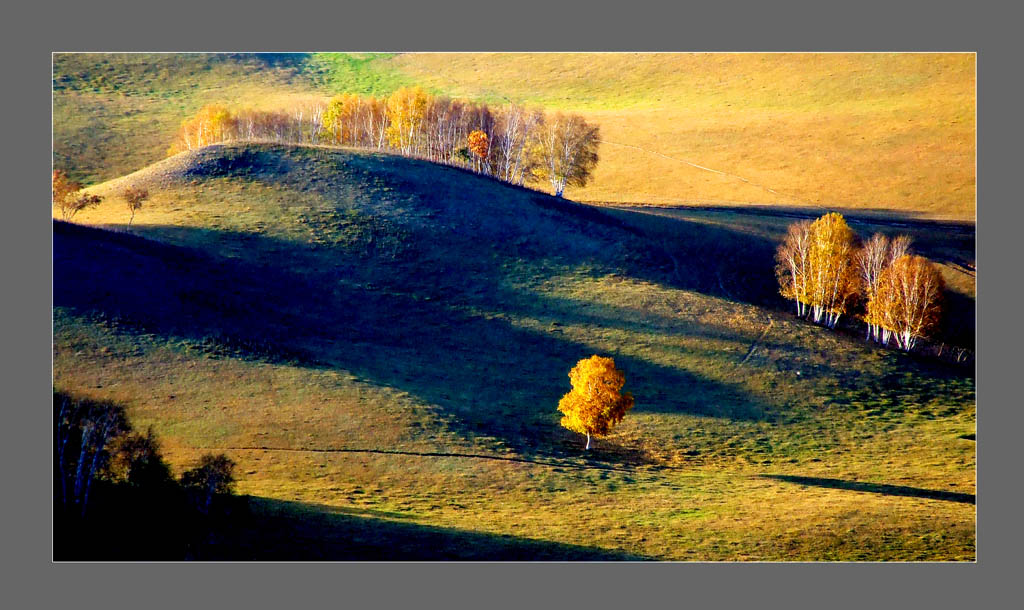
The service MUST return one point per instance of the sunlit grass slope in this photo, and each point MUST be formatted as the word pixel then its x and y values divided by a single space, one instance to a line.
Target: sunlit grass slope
pixel 885 131
pixel 845 130
pixel 380 343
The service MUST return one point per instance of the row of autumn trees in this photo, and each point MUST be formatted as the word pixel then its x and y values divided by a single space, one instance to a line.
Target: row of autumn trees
pixel 827 273
pixel 512 143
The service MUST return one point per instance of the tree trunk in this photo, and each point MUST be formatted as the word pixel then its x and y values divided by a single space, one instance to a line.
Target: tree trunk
pixel 588 442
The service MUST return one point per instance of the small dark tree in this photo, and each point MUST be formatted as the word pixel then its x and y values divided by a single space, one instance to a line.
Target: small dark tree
pixel 77 202
pixel 136 459
pixel 134 197
pixel 214 475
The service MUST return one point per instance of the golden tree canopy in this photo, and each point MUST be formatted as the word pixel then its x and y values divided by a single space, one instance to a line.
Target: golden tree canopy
pixel 595 404
pixel 406 110
pixel 338 119
pixel 478 143
pixel 815 267
pixel 908 300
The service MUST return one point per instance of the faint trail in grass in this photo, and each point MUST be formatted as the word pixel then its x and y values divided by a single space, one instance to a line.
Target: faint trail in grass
pixel 753 345
pixel 701 167
pixel 478 456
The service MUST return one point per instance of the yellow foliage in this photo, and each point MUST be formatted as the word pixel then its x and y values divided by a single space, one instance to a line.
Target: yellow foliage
pixel 407 108
pixel 213 123
pixel 339 118
pixel 834 280
pixel 816 267
pixel 908 301
pixel 595 403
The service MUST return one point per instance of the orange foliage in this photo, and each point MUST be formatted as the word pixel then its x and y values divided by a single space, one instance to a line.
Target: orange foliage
pixel 595 403
pixel 907 300
pixel 68 196
pixel 63 186
pixel 478 143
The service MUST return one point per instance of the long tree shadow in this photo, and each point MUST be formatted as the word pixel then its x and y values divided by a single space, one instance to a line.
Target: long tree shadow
pixel 132 523
pixel 878 488
pixel 407 332
pixel 284 531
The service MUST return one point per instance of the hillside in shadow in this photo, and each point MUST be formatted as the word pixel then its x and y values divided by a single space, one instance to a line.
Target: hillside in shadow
pixel 282 531
pixel 448 345
pixel 130 524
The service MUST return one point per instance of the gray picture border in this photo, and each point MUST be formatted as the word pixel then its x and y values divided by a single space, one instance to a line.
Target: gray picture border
pixel 35 31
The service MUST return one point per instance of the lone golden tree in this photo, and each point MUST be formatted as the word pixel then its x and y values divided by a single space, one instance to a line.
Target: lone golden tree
pixel 134 197
pixel 907 303
pixel 595 403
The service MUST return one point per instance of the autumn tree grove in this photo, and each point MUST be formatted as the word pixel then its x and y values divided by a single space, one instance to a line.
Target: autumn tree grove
pixel 512 143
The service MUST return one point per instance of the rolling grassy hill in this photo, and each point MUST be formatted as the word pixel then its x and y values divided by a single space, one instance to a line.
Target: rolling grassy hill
pixel 380 343
pixel 859 131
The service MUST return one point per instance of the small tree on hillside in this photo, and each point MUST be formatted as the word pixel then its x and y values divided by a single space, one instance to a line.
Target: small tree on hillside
pixel 134 197
pixel 68 196
pixel 595 404
pixel 78 202
pixel 137 460
pixel 908 301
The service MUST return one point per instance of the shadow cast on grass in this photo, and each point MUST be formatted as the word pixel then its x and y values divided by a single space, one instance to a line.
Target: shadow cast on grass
pixel 285 531
pixel 878 488
pixel 490 376
pixel 127 523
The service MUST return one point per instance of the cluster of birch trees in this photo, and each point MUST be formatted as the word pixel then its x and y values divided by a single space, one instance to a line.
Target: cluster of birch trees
pixel 827 273
pixel 511 143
